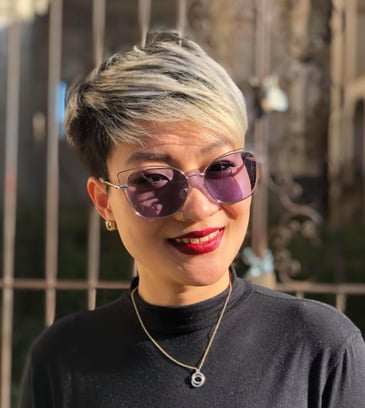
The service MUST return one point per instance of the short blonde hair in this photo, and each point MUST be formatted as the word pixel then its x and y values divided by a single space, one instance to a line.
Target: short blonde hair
pixel 170 80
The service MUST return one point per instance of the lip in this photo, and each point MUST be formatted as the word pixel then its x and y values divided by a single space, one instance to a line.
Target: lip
pixel 198 242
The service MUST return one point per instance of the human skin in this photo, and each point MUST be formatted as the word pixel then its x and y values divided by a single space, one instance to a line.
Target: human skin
pixel 168 274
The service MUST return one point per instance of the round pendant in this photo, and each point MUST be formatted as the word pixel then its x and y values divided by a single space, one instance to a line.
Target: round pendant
pixel 197 379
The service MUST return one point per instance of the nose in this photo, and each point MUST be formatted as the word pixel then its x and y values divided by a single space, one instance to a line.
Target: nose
pixel 199 204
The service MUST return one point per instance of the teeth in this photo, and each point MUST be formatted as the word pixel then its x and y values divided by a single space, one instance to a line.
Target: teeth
pixel 206 238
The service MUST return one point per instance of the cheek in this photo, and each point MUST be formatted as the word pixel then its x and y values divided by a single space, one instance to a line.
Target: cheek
pixel 239 214
pixel 240 211
pixel 138 235
pixel 132 239
pixel 126 219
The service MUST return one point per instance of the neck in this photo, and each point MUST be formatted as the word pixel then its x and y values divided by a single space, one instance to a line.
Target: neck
pixel 170 294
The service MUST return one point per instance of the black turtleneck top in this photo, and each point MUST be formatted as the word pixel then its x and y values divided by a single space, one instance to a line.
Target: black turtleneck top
pixel 271 350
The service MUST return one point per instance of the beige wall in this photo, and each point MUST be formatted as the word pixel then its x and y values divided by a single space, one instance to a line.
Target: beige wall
pixel 348 90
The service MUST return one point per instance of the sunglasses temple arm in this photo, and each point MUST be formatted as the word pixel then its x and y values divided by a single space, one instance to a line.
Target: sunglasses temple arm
pixel 120 187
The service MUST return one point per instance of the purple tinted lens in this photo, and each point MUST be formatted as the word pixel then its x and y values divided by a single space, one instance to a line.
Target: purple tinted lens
pixel 157 192
pixel 232 177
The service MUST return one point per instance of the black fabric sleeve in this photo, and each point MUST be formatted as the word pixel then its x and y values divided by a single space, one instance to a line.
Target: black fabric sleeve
pixel 26 387
pixel 345 386
pixel 36 390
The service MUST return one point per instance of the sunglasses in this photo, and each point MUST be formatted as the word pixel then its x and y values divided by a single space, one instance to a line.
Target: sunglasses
pixel 160 191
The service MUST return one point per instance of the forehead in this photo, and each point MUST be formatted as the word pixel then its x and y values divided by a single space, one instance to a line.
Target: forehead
pixel 167 150
pixel 164 141
pixel 186 131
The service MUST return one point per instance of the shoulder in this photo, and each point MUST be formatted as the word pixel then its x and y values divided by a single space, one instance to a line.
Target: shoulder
pixel 69 335
pixel 310 320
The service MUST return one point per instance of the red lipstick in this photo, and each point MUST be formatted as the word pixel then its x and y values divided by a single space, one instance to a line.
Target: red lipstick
pixel 198 242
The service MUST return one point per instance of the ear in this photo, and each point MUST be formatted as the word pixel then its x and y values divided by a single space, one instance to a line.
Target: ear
pixel 99 196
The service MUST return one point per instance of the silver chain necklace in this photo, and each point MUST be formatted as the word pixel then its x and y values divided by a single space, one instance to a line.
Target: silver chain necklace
pixel 197 378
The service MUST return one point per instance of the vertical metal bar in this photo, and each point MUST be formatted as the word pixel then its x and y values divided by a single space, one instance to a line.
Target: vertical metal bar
pixel 94 218
pixel 336 122
pixel 261 136
pixel 54 74
pixel 10 200
pixel 144 14
pixel 341 302
pixel 98 30
pixel 181 17
pixel 262 66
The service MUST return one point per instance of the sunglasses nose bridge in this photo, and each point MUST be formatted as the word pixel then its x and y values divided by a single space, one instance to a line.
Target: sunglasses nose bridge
pixel 196 180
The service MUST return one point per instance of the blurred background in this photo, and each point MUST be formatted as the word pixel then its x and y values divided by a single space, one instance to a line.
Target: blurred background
pixel 300 65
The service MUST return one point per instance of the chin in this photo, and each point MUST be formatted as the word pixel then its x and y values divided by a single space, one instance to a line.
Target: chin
pixel 204 275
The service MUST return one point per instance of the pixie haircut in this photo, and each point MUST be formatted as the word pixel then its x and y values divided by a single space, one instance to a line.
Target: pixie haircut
pixel 170 82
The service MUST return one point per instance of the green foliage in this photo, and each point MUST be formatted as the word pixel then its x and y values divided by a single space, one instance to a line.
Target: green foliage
pixel 339 257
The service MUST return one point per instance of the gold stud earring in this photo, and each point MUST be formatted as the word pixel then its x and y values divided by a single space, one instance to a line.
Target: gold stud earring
pixel 110 225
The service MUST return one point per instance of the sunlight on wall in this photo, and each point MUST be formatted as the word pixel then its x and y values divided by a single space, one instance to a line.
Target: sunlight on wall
pixel 23 9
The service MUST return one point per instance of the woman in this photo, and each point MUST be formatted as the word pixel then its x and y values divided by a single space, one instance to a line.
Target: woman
pixel 161 130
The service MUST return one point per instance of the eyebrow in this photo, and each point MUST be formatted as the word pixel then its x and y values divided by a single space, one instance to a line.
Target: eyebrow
pixel 166 157
pixel 149 156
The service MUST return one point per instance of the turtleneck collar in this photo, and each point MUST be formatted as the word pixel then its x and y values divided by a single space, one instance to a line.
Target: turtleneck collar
pixel 183 319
